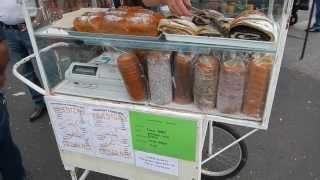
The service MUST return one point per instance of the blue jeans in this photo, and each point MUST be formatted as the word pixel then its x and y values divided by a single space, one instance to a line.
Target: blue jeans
pixel 11 167
pixel 20 47
pixel 317 24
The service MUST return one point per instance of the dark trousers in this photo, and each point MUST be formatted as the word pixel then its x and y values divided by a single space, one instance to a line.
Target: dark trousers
pixel 11 167
pixel 317 13
pixel 20 47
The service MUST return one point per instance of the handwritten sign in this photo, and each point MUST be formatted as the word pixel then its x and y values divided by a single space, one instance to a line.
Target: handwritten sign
pixel 166 136
pixel 93 130
pixel 111 132
pixel 72 128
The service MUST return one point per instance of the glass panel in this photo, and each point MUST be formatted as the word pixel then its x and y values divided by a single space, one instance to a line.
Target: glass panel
pixel 229 83
pixel 211 75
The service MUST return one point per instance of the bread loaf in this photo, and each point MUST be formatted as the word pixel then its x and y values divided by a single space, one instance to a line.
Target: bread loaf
pixel 124 21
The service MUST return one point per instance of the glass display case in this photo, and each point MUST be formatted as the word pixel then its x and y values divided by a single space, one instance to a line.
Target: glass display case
pixel 228 72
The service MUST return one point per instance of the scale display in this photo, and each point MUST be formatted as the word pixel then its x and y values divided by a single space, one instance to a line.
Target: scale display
pixel 85 70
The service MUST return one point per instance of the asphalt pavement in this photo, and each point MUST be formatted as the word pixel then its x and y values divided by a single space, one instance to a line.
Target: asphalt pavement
pixel 289 149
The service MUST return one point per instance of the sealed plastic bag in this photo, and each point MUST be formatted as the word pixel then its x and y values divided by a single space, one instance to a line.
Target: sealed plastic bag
pixel 133 76
pixel 160 78
pixel 231 86
pixel 206 75
pixel 183 78
pixel 257 86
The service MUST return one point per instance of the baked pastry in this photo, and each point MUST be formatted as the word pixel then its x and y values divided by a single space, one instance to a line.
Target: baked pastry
pixel 124 20
pixel 253 25
pixel 200 24
pixel 178 26
pixel 113 24
pixel 82 24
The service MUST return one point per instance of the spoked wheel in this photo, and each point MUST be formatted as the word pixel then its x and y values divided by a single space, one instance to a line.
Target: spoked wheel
pixel 228 163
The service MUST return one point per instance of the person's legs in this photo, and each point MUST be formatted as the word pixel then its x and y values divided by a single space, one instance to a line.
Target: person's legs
pixel 11 167
pixel 20 47
pixel 29 70
pixel 317 13
pixel 316 25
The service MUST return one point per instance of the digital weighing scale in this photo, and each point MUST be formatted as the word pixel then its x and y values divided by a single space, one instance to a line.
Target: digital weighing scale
pixel 96 79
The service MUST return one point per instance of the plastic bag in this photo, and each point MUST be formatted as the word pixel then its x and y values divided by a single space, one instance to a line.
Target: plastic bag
pixel 231 86
pixel 257 86
pixel 206 75
pixel 159 76
pixel 133 76
pixel 183 78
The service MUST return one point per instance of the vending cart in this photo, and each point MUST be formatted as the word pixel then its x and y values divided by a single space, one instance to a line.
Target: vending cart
pixel 140 95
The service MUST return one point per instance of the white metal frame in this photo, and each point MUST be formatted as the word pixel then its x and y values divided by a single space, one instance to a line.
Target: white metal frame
pixel 132 107
pixel 207 119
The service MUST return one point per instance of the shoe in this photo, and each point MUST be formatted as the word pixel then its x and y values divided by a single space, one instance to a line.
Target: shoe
pixel 314 29
pixel 37 113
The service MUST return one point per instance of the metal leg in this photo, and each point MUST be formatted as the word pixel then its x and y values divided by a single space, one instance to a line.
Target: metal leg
pixel 210 138
pixel 84 175
pixel 73 174
pixel 307 33
pixel 229 146
pixel 204 132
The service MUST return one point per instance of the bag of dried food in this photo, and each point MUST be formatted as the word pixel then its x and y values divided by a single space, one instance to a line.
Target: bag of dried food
pixel 206 75
pixel 133 76
pixel 183 78
pixel 159 76
pixel 231 86
pixel 257 86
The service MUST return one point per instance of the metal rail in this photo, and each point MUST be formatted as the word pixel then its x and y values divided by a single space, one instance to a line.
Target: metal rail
pixel 29 58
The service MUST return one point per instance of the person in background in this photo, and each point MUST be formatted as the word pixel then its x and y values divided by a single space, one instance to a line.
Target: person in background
pixel 177 7
pixel 316 25
pixel 11 167
pixel 16 36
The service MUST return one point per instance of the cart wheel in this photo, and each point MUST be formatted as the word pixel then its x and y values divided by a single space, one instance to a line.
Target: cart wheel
pixel 293 19
pixel 230 162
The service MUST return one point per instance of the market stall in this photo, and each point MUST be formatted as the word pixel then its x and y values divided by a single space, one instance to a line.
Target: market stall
pixel 136 94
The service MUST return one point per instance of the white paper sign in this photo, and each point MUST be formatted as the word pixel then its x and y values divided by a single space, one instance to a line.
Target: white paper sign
pixel 94 130
pixel 72 128
pixel 157 163
pixel 111 133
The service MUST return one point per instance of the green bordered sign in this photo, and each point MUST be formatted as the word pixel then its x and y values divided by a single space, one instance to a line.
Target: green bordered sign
pixel 167 136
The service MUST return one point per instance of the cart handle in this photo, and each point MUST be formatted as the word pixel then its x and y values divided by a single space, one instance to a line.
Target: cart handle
pixel 29 58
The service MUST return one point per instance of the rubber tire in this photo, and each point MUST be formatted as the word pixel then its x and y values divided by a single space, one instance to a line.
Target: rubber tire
pixel 244 151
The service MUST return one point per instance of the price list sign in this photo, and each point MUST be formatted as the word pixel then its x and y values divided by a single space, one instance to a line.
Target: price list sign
pixel 166 136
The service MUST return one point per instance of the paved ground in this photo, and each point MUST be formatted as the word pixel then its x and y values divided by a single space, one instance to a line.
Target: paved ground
pixel 288 150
